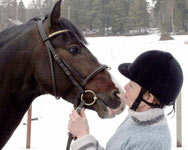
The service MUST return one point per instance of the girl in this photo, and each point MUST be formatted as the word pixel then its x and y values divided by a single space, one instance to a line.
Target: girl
pixel 155 81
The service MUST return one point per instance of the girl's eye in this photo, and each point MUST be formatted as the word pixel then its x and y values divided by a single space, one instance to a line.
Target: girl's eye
pixel 74 50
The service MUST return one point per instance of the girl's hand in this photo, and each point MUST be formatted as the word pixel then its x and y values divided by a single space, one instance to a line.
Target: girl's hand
pixel 78 124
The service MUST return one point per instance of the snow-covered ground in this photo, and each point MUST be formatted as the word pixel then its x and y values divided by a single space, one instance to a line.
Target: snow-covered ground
pixel 50 130
pixel 26 2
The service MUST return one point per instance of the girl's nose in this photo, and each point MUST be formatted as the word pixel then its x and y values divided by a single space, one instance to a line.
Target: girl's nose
pixel 125 87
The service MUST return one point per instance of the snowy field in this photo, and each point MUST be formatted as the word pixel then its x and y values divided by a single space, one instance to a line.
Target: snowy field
pixel 49 132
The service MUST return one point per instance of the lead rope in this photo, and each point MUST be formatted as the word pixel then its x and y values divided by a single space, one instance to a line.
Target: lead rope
pixel 79 108
pixel 70 138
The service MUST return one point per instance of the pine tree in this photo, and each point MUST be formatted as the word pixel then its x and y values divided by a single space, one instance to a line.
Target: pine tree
pixel 11 8
pixel 181 16
pixel 164 13
pixel 118 15
pixel 138 16
pixel 34 9
pixel 46 6
pixel 21 16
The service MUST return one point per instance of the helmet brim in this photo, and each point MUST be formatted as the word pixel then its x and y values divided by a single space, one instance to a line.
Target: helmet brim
pixel 124 69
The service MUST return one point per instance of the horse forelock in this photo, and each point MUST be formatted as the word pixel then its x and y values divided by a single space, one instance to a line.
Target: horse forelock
pixel 65 24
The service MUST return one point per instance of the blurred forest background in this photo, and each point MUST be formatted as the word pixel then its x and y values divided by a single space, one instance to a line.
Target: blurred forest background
pixel 105 17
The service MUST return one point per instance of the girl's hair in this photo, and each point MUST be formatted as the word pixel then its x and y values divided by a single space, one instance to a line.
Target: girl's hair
pixel 161 105
pixel 155 101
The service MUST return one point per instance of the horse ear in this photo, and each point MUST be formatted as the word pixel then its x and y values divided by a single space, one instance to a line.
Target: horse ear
pixel 55 14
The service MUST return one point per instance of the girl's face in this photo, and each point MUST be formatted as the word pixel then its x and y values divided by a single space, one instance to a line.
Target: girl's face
pixel 132 90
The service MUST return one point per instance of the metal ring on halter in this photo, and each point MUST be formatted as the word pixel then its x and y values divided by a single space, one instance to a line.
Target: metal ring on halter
pixel 94 97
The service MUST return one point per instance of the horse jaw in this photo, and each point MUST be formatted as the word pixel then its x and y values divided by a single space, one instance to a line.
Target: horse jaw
pixel 121 95
pixel 104 111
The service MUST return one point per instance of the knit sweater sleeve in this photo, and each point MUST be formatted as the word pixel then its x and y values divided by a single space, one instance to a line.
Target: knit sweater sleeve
pixel 87 142
pixel 146 143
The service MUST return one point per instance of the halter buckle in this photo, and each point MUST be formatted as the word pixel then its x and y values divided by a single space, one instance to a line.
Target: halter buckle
pixel 94 97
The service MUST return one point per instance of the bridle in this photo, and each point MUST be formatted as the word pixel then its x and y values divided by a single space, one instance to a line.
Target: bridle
pixel 68 70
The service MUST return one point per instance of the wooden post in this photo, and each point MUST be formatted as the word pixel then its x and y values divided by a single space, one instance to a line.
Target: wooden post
pixel 28 142
pixel 179 121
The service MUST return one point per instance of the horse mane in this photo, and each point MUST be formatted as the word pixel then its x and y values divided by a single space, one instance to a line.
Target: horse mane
pixel 13 32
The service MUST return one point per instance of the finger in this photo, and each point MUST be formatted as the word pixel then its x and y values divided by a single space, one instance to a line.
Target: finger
pixel 71 116
pixel 75 113
pixel 69 124
pixel 72 113
pixel 83 113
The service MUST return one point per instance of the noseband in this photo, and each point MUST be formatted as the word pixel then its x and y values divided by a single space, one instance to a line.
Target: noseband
pixel 67 68
pixel 68 71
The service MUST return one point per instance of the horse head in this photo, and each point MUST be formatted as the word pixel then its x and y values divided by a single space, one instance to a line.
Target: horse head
pixel 70 47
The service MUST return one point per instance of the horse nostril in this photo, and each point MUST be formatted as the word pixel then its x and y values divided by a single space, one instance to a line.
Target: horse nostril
pixel 116 100
pixel 114 94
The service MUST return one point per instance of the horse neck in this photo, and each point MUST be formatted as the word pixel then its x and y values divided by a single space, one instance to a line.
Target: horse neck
pixel 17 66
pixel 18 87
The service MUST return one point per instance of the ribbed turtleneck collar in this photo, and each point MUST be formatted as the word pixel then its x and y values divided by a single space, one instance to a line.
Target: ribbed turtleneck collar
pixel 148 117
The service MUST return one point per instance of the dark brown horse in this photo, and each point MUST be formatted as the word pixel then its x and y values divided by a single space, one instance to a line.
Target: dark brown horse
pixel 26 72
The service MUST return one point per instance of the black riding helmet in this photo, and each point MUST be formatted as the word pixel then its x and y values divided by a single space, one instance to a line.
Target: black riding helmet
pixel 158 72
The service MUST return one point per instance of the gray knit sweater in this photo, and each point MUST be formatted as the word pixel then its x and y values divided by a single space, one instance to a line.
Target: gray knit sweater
pixel 139 131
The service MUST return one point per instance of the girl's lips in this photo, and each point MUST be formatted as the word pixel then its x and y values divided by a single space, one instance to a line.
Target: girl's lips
pixel 125 96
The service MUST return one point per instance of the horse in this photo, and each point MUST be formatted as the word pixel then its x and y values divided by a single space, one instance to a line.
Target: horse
pixel 49 56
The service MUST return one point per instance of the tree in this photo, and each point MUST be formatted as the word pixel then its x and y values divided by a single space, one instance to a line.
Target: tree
pixel 164 13
pixel 97 16
pixel 117 16
pixel 11 8
pixel 138 16
pixel 8 12
pixel 46 6
pixel 181 15
pixel 21 16
pixel 83 13
pixel 34 9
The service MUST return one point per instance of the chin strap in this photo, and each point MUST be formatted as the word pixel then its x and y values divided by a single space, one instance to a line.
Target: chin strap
pixel 140 99
pixel 153 105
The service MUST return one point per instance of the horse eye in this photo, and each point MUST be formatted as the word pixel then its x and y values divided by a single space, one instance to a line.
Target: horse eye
pixel 74 50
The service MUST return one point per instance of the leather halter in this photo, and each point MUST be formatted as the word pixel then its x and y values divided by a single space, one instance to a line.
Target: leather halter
pixel 64 65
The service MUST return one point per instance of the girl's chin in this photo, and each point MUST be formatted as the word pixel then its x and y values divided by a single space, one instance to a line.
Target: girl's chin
pixel 113 112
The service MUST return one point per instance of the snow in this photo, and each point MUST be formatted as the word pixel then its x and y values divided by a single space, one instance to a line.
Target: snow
pixel 26 2
pixel 50 130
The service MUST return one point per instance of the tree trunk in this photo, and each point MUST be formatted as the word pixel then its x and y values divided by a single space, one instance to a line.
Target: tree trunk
pixel 171 14
pixel 173 27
